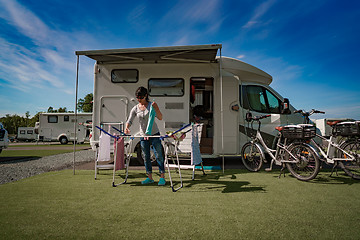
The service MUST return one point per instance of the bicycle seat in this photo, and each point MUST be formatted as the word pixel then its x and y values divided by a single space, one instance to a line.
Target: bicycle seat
pixel 332 123
pixel 279 128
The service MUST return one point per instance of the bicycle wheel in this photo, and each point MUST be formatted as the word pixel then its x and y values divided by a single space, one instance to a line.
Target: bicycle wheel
pixel 306 165
pixel 351 168
pixel 252 157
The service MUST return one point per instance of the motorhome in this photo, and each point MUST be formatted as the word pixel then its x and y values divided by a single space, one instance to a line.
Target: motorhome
pixel 4 138
pixel 190 84
pixel 54 127
pixel 26 134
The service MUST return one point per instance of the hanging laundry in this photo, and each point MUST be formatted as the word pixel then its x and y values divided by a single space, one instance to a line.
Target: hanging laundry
pixel 119 154
pixel 195 147
pixel 104 147
pixel 152 115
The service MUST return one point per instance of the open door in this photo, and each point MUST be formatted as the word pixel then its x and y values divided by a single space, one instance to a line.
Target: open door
pixel 201 110
pixel 230 114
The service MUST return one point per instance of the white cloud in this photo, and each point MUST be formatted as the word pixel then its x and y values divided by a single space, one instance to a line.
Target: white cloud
pixel 57 60
pixel 258 13
pixel 203 10
pixel 46 65
pixel 189 15
pixel 25 21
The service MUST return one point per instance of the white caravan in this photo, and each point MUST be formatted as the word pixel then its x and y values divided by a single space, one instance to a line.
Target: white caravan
pixel 325 129
pixel 4 139
pixel 26 134
pixel 54 127
pixel 189 83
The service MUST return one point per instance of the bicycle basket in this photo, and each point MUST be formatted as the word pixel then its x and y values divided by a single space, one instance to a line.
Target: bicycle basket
pixel 300 131
pixel 346 129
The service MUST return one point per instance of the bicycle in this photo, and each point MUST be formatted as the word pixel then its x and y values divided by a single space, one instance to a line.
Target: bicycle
pixel 300 158
pixel 343 146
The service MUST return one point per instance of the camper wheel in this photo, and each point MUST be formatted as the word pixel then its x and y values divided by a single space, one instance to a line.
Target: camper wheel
pixel 63 140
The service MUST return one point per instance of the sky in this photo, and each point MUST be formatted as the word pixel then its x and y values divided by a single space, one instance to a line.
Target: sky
pixel 311 48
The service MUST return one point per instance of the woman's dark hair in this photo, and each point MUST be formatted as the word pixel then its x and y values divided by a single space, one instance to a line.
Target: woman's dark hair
pixel 142 92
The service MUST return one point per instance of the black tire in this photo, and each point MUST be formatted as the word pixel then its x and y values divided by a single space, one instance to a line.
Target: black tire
pixel 252 157
pixel 351 168
pixel 63 140
pixel 308 166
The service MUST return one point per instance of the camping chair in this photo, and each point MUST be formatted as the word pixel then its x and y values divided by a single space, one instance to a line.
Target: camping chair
pixel 181 145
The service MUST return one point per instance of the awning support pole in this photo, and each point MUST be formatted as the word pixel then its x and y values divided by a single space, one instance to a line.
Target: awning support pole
pixel 222 114
pixel 76 99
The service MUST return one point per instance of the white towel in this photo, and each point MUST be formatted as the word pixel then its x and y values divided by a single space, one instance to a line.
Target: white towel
pixel 104 147
pixel 195 147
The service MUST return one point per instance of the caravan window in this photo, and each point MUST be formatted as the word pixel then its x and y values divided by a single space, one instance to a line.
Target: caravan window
pixel 22 131
pixel 260 99
pixel 66 118
pixel 166 87
pixel 30 132
pixel 52 119
pixel 124 76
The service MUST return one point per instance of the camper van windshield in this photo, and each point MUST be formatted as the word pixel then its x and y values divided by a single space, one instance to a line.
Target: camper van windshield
pixel 260 99
pixel 166 87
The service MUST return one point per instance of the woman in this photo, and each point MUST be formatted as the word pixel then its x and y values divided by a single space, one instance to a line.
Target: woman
pixel 141 111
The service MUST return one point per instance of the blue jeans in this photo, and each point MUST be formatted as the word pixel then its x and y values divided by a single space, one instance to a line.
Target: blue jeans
pixel 158 151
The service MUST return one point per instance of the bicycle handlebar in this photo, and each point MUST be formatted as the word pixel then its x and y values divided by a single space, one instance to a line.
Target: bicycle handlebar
pixel 302 112
pixel 308 114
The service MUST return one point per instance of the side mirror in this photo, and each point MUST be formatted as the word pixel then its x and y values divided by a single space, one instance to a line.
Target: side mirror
pixel 248 116
pixel 285 106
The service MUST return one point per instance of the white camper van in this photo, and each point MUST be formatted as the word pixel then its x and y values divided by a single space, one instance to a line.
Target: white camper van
pixel 54 127
pixel 4 139
pixel 189 83
pixel 26 134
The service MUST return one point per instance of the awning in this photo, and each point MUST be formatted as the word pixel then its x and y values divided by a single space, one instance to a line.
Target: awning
pixel 196 53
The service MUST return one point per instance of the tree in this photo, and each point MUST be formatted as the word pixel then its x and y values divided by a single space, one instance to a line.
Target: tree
pixel 60 110
pixel 86 104
pixel 34 119
pixel 27 115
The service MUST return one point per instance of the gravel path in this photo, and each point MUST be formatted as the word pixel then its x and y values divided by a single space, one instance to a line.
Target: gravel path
pixel 16 170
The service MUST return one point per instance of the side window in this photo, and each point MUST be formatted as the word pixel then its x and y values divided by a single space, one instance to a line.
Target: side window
pixel 274 102
pixel 30 132
pixel 52 119
pixel 259 99
pixel 124 76
pixel 22 131
pixel 66 118
pixel 256 98
pixel 166 87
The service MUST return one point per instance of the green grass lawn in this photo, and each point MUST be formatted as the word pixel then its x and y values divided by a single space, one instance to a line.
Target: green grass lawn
pixel 41 145
pixel 50 149
pixel 236 205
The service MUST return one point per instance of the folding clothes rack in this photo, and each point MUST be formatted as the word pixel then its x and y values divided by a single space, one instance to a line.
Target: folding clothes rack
pixel 171 149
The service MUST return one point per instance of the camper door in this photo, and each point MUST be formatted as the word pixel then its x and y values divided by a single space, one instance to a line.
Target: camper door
pixel 113 109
